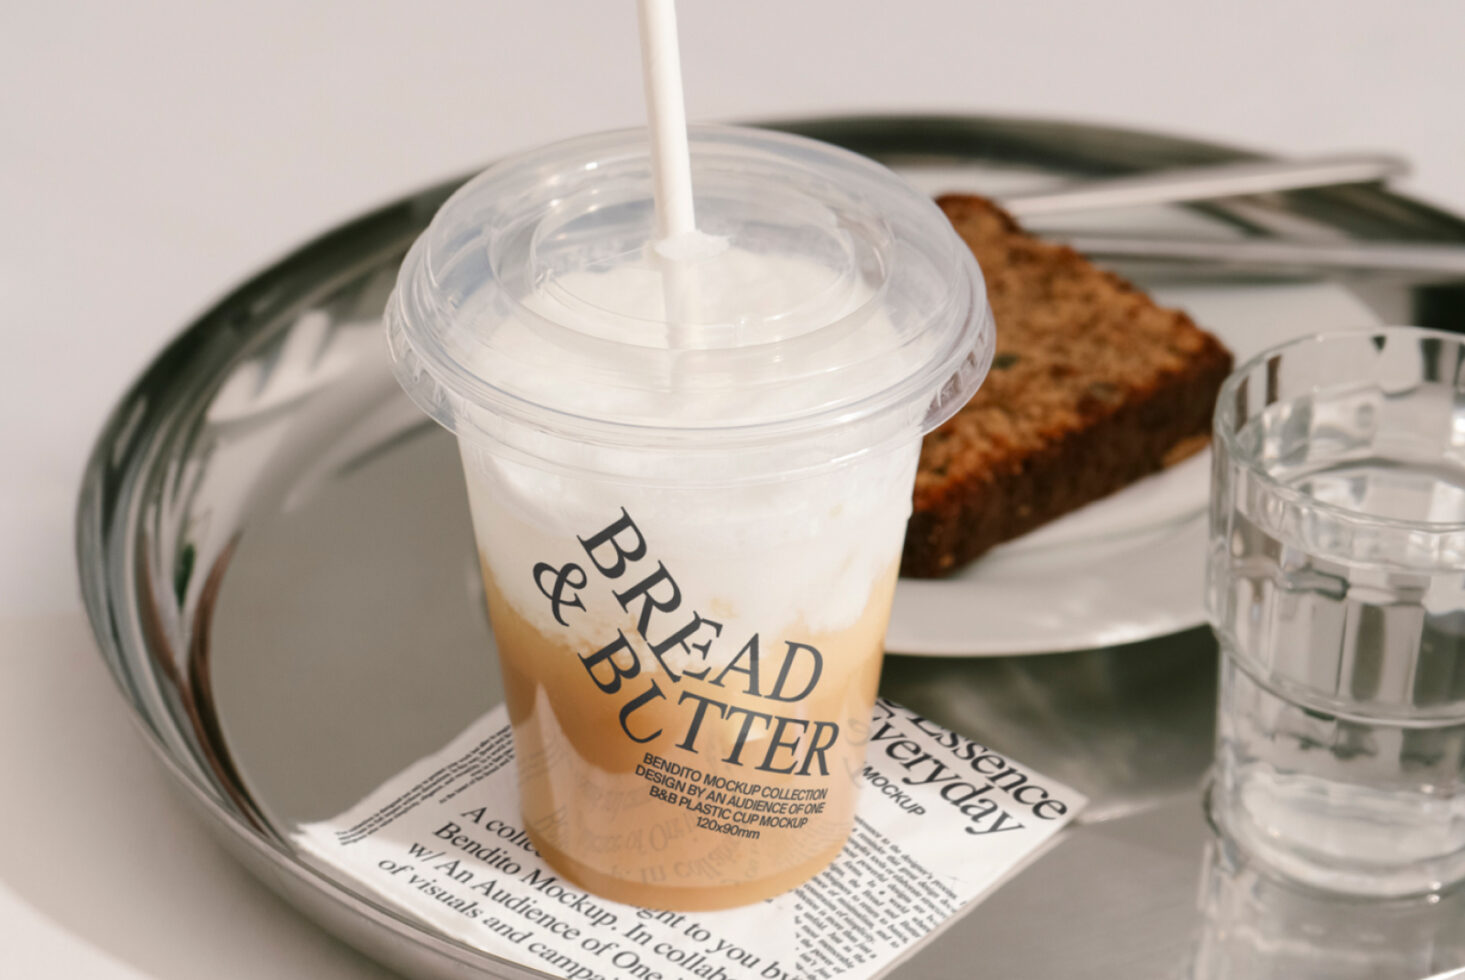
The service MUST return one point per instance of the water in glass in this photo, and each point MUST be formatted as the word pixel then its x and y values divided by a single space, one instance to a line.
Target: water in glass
pixel 1337 589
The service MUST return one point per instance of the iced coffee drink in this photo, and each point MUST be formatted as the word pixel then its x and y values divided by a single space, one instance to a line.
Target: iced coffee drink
pixel 689 497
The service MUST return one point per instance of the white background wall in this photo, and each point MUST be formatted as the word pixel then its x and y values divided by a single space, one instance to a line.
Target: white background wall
pixel 154 153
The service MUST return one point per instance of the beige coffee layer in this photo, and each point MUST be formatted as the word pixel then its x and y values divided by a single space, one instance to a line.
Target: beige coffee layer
pixel 594 816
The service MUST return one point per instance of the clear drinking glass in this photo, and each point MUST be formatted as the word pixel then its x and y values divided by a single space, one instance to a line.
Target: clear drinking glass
pixel 1336 586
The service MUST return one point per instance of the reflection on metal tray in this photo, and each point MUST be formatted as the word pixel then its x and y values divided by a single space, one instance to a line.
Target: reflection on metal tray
pixel 276 558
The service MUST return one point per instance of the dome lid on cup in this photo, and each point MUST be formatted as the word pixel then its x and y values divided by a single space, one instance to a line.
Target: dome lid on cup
pixel 825 307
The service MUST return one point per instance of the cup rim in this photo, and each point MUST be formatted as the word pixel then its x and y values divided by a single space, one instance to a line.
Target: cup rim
pixel 960 334
pixel 1224 429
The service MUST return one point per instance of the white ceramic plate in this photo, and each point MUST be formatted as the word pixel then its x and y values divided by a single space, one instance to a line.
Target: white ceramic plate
pixel 1130 566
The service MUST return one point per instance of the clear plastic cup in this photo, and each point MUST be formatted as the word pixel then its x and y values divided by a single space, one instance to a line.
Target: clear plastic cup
pixel 690 527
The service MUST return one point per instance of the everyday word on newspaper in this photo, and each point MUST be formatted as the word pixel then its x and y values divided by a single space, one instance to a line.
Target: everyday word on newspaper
pixel 992 794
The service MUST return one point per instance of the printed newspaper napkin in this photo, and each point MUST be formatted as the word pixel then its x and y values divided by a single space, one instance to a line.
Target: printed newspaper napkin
pixel 942 820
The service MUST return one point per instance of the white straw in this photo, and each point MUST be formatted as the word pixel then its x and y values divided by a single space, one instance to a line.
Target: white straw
pixel 671 165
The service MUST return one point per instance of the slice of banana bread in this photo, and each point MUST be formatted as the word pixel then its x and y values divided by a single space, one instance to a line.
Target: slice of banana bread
pixel 1092 387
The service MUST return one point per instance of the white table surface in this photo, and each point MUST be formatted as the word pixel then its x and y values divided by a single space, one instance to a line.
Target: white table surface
pixel 154 153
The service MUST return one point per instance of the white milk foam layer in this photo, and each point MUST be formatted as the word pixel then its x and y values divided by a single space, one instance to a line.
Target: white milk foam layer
pixel 781 557
pixel 778 559
pixel 595 342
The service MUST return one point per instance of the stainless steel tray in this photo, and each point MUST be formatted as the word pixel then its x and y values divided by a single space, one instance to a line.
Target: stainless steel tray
pixel 276 558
